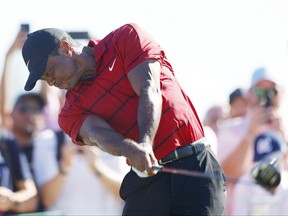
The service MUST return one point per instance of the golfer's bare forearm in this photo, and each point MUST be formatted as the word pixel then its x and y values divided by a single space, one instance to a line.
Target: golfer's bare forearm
pixel 109 141
pixel 149 113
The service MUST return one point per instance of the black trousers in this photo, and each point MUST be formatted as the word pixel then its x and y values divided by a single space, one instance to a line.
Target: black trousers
pixel 173 194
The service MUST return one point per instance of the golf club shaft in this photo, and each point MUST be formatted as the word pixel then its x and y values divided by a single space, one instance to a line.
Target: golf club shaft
pixel 198 174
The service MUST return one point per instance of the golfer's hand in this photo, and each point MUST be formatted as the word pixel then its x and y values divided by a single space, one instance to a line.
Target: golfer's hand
pixel 143 159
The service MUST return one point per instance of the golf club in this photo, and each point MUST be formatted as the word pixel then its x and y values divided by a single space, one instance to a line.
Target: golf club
pixel 201 174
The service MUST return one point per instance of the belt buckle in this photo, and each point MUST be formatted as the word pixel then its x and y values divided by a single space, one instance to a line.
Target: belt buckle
pixel 176 157
pixel 176 154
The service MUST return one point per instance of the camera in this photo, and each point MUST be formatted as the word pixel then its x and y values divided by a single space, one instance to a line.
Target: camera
pixel 265 96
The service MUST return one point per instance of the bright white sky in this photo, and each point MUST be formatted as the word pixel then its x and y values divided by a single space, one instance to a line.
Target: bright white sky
pixel 214 45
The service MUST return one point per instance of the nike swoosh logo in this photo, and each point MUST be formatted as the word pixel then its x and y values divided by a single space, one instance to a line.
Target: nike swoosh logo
pixel 112 66
pixel 28 63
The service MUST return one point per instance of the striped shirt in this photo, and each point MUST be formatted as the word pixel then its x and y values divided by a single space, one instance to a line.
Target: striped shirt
pixel 110 95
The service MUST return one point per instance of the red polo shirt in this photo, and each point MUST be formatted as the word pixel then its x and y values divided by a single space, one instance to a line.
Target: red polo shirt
pixel 111 96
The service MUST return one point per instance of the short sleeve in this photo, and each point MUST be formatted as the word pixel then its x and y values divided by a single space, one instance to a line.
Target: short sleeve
pixel 71 124
pixel 135 45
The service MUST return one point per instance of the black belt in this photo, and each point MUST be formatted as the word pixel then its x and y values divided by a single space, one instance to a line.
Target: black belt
pixel 185 151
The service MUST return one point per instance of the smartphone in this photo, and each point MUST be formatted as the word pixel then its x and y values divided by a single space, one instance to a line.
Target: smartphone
pixel 25 27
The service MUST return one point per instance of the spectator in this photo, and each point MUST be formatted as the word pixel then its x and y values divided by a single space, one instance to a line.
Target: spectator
pixel 214 116
pixel 24 119
pixel 18 193
pixel 27 120
pixel 84 181
pixel 256 200
pixel 236 138
pixel 237 103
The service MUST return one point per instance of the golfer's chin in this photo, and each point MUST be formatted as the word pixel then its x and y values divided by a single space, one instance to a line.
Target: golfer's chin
pixel 65 86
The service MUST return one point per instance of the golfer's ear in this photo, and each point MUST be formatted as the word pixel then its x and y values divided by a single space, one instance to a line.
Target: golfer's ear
pixel 65 47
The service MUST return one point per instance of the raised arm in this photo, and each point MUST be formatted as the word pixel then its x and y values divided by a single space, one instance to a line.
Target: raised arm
pixel 17 44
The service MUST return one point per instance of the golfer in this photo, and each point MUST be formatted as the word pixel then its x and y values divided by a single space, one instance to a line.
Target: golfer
pixel 123 97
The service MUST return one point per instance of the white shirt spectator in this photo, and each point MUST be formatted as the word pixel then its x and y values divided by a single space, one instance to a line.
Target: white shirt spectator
pixel 82 192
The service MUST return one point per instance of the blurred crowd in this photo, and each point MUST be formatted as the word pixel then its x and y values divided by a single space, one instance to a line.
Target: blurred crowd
pixel 42 171
pixel 249 131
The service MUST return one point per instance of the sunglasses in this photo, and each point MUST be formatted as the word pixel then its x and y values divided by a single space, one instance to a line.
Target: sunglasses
pixel 25 108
